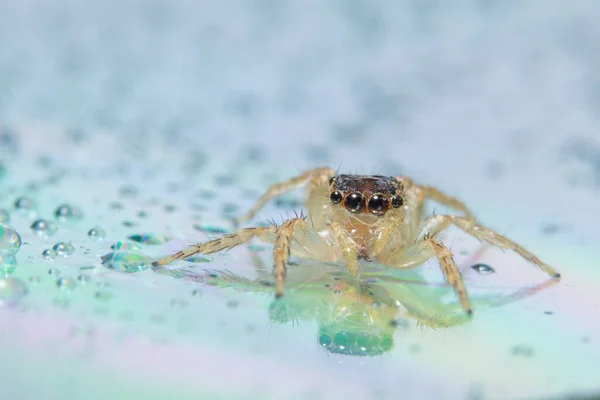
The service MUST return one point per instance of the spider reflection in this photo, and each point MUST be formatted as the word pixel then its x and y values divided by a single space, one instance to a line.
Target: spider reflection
pixel 359 320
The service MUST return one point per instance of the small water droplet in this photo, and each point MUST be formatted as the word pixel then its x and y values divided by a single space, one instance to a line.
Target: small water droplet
pixel 83 278
pixel 86 267
pixel 8 262
pixel 143 214
pixel 64 249
pixel 170 208
pixel 522 351
pixel 233 303
pixel 11 291
pixel 103 295
pixel 25 204
pixel 49 254
pixel 196 292
pixel 116 205
pixel 97 233
pixel 123 245
pixel 198 259
pixel 210 229
pixel 66 212
pixel 4 215
pixel 54 272
pixel 179 303
pixel 43 227
pixel 35 280
pixel 483 269
pixel 128 191
pixel 257 248
pixel 9 239
pixel 288 202
pixel 65 283
pixel 149 238
pixel 126 261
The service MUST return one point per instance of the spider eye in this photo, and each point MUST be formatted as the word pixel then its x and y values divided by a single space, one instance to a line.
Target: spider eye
pixel 331 180
pixel 336 197
pixel 354 202
pixel 378 204
pixel 397 201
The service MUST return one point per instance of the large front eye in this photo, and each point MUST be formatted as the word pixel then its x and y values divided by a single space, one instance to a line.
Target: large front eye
pixel 378 204
pixel 336 197
pixel 354 202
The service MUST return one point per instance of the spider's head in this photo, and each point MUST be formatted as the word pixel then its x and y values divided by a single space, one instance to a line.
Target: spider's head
pixel 374 194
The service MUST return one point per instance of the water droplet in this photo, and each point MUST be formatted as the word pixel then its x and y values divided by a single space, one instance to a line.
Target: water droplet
pixel 257 248
pixel 11 291
pixel 179 303
pixel 35 280
pixel 143 214
pixel 126 261
pixel 170 208
pixel 288 202
pixel 83 278
pixel 25 204
pixel 64 249
pixel 210 229
pixel 149 238
pixel 230 209
pixel 116 206
pixel 123 245
pixel 233 304
pixel 43 227
pixel 86 267
pixel 103 295
pixel 200 259
pixel 65 283
pixel 483 268
pixel 49 254
pixel 9 239
pixel 8 262
pixel 196 292
pixel 66 212
pixel 522 351
pixel 4 215
pixel 97 233
pixel 128 191
pixel 54 272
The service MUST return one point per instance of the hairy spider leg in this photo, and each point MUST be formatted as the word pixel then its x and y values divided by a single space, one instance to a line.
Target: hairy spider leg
pixel 425 192
pixel 292 237
pixel 315 176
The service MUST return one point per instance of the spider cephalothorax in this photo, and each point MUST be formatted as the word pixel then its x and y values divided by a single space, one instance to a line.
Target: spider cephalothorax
pixel 374 194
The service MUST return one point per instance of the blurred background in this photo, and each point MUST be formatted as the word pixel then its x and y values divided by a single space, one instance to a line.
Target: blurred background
pixel 129 129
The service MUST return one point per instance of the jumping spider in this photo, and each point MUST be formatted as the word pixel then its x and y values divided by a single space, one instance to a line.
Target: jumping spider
pixel 363 217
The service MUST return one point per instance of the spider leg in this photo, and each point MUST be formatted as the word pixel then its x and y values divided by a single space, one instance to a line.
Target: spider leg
pixel 494 238
pixel 292 237
pixel 295 237
pixel 422 250
pixel 348 247
pixel 225 242
pixel 450 270
pixel 424 192
pixel 315 176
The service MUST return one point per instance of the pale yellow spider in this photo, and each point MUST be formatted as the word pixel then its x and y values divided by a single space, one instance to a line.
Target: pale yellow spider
pixel 363 217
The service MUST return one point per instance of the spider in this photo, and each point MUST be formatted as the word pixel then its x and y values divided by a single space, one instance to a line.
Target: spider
pixel 368 217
